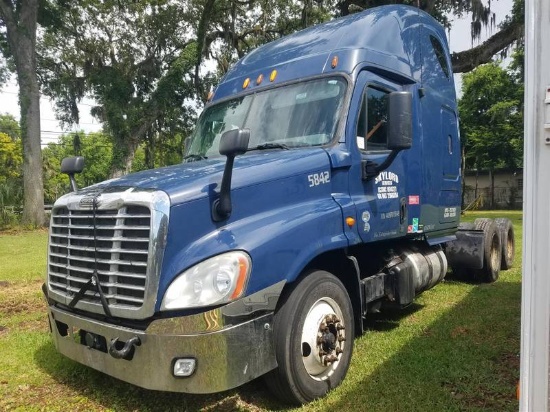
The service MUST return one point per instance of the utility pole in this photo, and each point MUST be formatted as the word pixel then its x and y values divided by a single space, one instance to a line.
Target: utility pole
pixel 535 306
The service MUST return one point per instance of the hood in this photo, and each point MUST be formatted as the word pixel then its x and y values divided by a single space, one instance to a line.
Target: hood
pixel 190 181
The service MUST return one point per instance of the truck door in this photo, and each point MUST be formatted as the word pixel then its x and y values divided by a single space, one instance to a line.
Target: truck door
pixel 380 199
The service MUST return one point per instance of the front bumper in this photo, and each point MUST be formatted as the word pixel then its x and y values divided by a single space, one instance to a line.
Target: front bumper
pixel 226 356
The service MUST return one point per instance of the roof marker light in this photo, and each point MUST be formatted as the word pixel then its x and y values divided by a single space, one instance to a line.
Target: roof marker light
pixel 210 95
pixel 273 75
pixel 334 62
pixel 259 79
pixel 246 83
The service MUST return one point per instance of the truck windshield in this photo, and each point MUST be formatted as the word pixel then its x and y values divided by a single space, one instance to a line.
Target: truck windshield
pixel 297 115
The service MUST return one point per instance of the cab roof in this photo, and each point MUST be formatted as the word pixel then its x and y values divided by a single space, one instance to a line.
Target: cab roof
pixel 386 37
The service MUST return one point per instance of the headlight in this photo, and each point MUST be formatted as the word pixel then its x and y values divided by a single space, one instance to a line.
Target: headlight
pixel 220 279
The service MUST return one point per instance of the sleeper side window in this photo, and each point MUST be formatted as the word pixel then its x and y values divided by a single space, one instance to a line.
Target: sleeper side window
pixel 372 123
pixel 440 54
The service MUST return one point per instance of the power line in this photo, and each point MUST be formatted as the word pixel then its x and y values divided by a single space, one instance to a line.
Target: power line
pixel 47 98
pixel 71 144
pixel 63 144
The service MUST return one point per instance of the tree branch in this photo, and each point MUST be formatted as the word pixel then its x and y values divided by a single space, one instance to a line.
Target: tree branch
pixel 468 60
pixel 6 12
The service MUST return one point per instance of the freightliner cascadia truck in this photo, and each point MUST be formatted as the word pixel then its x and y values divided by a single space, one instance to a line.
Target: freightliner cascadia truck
pixel 322 183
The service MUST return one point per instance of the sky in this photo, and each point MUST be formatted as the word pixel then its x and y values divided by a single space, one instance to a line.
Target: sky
pixel 459 39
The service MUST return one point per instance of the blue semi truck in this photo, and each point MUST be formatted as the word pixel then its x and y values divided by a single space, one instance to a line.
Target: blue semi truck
pixel 322 183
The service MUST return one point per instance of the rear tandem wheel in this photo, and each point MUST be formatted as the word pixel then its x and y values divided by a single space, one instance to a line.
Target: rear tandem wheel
pixel 492 254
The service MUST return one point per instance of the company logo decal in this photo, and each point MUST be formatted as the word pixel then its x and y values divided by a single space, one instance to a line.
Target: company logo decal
pixel 87 202
pixel 386 188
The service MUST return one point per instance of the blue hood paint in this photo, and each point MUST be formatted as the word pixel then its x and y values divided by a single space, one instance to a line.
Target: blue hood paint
pixel 195 180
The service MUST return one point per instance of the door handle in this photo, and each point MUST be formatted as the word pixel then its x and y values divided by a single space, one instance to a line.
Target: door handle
pixel 403 210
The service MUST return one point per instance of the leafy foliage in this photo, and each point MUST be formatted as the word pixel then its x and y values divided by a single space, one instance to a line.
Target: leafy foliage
pixel 11 198
pixel 134 58
pixel 96 149
pixel 10 126
pixel 11 160
pixel 491 112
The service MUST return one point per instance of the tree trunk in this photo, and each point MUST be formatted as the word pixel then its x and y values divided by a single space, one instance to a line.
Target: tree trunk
pixel 463 175
pixel 477 177
pixel 33 184
pixel 21 34
pixel 492 180
pixel 124 151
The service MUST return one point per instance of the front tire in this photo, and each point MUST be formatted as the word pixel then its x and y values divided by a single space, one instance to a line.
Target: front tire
pixel 313 332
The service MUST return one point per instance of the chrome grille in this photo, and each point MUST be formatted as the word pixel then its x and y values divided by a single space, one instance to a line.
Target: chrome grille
pixel 119 251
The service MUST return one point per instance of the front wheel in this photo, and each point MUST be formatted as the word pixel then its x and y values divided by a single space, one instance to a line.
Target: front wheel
pixel 313 332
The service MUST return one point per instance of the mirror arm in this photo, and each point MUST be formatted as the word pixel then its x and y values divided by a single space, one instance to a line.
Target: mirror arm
pixel 72 181
pixel 222 207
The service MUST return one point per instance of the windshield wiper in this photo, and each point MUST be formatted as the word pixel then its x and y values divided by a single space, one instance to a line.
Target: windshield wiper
pixel 193 158
pixel 266 146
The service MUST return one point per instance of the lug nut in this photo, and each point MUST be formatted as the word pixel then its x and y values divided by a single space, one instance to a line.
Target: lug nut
pixel 329 359
pixel 339 351
pixel 341 339
pixel 340 327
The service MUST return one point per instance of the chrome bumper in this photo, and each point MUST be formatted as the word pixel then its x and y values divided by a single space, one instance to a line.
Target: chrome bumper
pixel 227 356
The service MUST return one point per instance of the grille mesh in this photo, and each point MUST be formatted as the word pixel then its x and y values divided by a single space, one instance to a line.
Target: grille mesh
pixel 122 244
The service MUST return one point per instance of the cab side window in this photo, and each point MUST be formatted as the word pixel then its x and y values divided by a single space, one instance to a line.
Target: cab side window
pixel 372 124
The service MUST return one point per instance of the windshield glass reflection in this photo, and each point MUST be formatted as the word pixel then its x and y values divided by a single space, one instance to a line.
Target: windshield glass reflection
pixel 298 115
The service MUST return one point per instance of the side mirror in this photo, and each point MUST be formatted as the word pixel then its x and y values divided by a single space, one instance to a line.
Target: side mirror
pixel 399 120
pixel 70 166
pixel 232 143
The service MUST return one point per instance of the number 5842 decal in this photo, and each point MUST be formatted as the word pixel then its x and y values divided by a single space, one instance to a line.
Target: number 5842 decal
pixel 317 179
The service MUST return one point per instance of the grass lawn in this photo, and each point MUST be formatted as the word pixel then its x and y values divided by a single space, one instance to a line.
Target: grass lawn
pixel 455 349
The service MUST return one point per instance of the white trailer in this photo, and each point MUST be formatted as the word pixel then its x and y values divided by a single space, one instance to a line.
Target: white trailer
pixel 535 315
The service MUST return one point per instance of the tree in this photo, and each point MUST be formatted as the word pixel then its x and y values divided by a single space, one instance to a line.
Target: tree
pixel 135 59
pixel 96 149
pixel 491 113
pixel 20 20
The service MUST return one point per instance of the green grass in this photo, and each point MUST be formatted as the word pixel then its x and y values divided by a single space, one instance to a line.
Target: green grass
pixel 23 255
pixel 455 349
